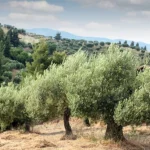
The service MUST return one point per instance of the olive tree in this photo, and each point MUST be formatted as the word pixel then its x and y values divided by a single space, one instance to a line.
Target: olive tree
pixel 99 84
pixel 45 96
pixel 136 109
pixel 41 96
pixel 12 109
pixel 7 106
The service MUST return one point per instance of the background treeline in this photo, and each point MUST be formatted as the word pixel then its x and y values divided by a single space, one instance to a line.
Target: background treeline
pixel 18 57
pixel 13 56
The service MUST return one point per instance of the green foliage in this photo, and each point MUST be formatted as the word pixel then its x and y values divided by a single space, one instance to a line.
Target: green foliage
pixel 132 45
pixel 102 43
pixel 108 43
pixel 96 43
pixel 17 79
pixel 13 35
pixel 40 58
pixel 8 74
pixel 90 45
pixel 12 65
pixel 1 56
pixel 51 48
pixel 1 34
pixel 7 47
pixel 22 31
pixel 125 44
pixel 44 54
pixel 15 39
pixel 20 55
pixel 42 103
pixel 145 48
pixel 57 57
pixel 106 80
pixel 58 36
pixel 7 106
pixel 48 99
pixel 136 109
pixel 12 109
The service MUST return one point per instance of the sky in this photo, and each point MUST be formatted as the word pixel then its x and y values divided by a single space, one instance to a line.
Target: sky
pixel 115 19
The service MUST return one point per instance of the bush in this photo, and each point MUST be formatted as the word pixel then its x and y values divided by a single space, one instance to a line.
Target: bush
pixel 20 55
pixel 108 43
pixel 8 74
pixel 102 43
pixel 30 45
pixel 12 65
pixel 7 106
pixel 90 45
pixel 17 79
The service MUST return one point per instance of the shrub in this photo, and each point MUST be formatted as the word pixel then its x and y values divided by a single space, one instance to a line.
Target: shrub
pixel 108 43
pixel 90 45
pixel 7 106
pixel 102 43
pixel 8 74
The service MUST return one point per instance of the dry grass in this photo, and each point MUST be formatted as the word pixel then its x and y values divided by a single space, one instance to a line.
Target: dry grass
pixel 47 136
pixel 28 39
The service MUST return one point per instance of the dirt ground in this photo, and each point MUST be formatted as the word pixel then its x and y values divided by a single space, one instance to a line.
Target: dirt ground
pixel 47 137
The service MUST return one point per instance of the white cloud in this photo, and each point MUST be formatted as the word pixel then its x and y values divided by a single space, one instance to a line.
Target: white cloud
pixel 42 6
pixel 97 26
pixel 31 17
pixel 29 14
pixel 137 2
pixel 132 13
pixel 130 21
pixel 94 29
pixel 33 20
pixel 106 4
pixel 145 13
pixel 98 3
pixel 117 4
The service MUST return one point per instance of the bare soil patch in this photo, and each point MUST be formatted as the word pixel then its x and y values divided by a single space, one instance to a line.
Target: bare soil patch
pixel 48 137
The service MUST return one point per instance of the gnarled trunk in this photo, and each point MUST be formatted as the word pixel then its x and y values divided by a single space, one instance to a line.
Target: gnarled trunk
pixel 67 114
pixel 114 131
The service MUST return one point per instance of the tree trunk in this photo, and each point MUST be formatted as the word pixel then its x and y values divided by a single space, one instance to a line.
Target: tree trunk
pixel 114 132
pixel 67 126
pixel 87 122
pixel 27 127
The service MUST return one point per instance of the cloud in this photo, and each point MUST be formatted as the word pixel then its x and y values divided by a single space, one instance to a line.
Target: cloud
pixel 106 4
pixel 130 21
pixel 97 26
pixel 98 3
pixel 119 4
pixel 94 29
pixel 137 2
pixel 31 17
pixel 33 20
pixel 145 13
pixel 27 14
pixel 38 6
pixel 132 13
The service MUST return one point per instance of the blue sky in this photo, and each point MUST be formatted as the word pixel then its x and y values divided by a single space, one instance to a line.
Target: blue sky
pixel 126 19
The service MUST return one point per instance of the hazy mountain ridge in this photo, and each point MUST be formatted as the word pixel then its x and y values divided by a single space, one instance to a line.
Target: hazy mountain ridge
pixel 51 32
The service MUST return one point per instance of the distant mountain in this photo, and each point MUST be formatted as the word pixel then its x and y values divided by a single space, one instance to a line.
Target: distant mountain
pixel 51 32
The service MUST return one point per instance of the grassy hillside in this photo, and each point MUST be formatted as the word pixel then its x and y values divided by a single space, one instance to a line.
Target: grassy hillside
pixel 51 32
pixel 23 53
pixel 73 45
